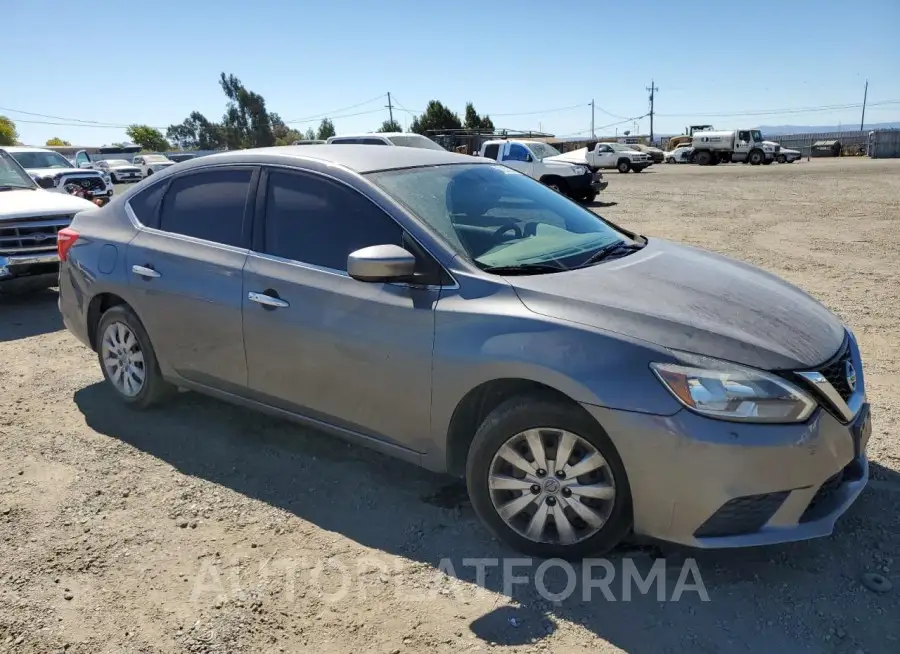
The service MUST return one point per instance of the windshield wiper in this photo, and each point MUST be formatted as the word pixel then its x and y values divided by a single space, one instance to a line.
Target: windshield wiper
pixel 612 251
pixel 524 269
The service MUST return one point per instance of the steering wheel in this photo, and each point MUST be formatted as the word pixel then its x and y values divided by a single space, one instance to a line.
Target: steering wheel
pixel 505 228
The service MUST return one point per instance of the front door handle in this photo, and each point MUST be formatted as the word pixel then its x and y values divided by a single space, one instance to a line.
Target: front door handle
pixel 145 271
pixel 267 301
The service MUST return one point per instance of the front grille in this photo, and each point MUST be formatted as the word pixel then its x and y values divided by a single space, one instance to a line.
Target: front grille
pixel 28 235
pixel 836 373
pixel 90 183
pixel 742 515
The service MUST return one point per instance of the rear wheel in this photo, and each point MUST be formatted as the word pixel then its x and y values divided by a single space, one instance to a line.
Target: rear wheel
pixel 703 158
pixel 128 360
pixel 544 478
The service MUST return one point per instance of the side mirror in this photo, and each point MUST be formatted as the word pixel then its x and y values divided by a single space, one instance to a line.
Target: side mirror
pixel 381 263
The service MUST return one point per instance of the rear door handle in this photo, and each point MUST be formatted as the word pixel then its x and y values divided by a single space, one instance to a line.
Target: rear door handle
pixel 267 301
pixel 145 271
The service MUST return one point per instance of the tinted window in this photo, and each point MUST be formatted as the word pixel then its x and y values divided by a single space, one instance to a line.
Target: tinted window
pixel 145 205
pixel 517 152
pixel 491 151
pixel 316 221
pixel 208 205
pixel 372 142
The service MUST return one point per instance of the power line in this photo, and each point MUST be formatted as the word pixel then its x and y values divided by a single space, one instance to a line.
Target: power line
pixel 776 112
pixel 545 111
pixel 309 119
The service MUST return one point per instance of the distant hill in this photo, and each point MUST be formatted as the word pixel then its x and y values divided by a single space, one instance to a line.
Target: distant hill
pixel 809 129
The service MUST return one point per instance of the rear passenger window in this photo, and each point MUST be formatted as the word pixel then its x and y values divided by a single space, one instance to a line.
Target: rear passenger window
pixel 373 142
pixel 208 205
pixel 145 205
pixel 492 151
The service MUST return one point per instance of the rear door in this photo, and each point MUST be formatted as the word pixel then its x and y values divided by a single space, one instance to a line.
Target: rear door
pixel 185 269
pixel 320 343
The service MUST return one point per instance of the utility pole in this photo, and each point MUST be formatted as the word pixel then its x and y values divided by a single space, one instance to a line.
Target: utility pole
pixel 862 121
pixel 390 108
pixel 653 89
pixel 592 119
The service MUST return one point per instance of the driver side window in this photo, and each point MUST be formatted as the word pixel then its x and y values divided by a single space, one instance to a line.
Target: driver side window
pixel 517 152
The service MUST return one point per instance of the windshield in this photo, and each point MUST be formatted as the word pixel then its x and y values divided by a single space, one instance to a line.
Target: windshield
pixel 109 157
pixel 414 142
pixel 757 135
pixel 619 147
pixel 542 150
pixel 117 162
pixel 155 158
pixel 12 175
pixel 41 160
pixel 497 217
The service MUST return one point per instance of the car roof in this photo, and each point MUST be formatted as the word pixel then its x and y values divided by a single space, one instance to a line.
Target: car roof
pixel 358 158
pixel 25 148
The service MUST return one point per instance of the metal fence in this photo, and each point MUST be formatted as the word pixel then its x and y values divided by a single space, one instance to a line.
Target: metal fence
pixel 852 142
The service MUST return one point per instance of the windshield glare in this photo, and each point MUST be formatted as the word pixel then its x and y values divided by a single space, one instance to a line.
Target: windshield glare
pixel 117 162
pixel 414 142
pixel 41 160
pixel 12 174
pixel 495 216
pixel 542 150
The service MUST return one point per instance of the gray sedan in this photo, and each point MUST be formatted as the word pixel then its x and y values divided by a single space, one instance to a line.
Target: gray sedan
pixel 587 381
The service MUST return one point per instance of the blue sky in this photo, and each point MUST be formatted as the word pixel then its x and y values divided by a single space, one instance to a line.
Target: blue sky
pixel 529 64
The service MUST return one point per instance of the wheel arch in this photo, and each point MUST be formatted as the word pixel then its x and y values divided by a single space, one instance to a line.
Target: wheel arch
pixel 549 178
pixel 99 305
pixel 475 406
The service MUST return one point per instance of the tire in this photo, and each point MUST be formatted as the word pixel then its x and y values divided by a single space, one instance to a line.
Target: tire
pixel 756 157
pixel 149 172
pixel 670 160
pixel 506 424
pixel 111 338
pixel 703 158
pixel 558 185
pixel 637 170
pixel 588 198
pixel 782 158
pixel 623 166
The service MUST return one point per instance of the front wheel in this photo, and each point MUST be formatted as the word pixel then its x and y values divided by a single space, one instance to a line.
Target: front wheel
pixel 756 158
pixel 128 360
pixel 545 478
pixel 782 158
pixel 623 166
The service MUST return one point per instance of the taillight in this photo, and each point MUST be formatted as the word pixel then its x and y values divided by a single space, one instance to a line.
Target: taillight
pixel 65 239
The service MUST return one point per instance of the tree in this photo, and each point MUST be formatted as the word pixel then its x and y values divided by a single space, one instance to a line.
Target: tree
pixel 149 138
pixel 284 135
pixel 437 117
pixel 474 121
pixel 390 126
pixel 246 121
pixel 8 133
pixel 197 133
pixel 326 129
pixel 57 141
pixel 310 134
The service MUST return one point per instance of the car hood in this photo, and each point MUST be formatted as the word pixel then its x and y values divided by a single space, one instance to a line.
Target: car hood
pixel 50 172
pixel 688 299
pixel 27 203
pixel 160 164
pixel 575 156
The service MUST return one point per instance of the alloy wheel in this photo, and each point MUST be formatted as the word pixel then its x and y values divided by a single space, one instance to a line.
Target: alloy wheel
pixel 551 486
pixel 123 359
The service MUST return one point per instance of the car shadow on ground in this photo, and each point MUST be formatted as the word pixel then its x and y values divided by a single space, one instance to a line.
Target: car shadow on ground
pixel 394 507
pixel 29 314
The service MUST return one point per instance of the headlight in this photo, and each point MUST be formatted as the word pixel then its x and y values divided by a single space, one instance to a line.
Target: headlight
pixel 732 392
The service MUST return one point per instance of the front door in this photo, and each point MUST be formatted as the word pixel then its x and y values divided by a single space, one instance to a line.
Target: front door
pixel 606 156
pixel 353 354
pixel 517 156
pixel 185 272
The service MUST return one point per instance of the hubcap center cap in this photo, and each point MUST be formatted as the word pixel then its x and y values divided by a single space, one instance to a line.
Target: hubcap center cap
pixel 551 486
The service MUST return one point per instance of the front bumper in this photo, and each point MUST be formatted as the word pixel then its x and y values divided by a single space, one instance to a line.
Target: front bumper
pixel 712 484
pixel 587 183
pixel 22 271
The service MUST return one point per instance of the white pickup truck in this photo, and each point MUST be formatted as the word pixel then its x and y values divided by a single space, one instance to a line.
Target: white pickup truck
pixel 539 161
pixel 609 155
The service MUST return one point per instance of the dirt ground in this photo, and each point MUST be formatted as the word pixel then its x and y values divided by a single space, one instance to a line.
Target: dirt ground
pixel 206 528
